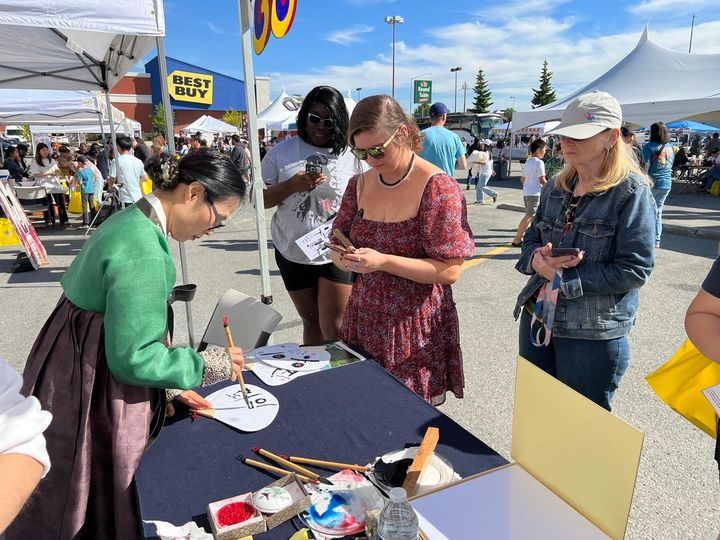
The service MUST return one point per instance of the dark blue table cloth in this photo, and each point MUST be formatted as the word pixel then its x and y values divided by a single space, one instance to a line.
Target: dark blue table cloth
pixel 349 414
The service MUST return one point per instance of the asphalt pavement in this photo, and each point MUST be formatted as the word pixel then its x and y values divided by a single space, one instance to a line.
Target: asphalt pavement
pixel 677 493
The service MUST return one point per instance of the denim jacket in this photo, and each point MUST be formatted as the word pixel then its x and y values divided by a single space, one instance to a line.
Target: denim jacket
pixel 616 229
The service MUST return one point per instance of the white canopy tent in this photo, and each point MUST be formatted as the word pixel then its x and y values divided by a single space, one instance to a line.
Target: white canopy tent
pixel 126 127
pixel 44 106
pixel 652 83
pixel 537 129
pixel 350 102
pixel 287 123
pixel 209 124
pixel 84 45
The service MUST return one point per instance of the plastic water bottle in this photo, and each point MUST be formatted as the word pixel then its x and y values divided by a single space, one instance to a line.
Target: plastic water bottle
pixel 398 520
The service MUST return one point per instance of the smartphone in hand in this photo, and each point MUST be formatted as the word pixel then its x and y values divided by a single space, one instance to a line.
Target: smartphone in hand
pixel 335 247
pixel 344 240
pixel 564 252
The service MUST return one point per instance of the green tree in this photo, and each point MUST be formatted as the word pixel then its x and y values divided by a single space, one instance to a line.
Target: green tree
pixel 26 133
pixel 546 93
pixel 234 118
pixel 508 114
pixel 482 102
pixel 158 119
pixel 422 110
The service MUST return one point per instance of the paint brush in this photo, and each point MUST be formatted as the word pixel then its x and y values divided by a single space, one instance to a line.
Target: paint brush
pixel 276 470
pixel 327 464
pixel 290 465
pixel 228 335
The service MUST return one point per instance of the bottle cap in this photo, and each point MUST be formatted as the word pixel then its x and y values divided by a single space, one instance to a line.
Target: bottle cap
pixel 398 495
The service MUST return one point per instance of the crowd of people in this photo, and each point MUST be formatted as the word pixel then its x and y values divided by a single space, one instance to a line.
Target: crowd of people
pixel 588 240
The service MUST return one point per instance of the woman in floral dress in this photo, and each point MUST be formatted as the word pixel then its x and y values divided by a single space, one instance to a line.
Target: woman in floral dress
pixel 407 221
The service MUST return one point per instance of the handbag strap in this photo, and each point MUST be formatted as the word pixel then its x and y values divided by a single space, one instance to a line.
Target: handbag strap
pixel 544 314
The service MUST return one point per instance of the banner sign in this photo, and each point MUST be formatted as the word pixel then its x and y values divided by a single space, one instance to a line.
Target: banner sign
pixel 192 87
pixel 423 92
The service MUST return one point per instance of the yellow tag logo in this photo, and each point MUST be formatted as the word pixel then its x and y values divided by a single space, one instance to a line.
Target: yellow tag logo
pixel 192 87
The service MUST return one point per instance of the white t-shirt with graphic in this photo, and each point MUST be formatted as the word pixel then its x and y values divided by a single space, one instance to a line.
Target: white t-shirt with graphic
pixel 533 169
pixel 304 211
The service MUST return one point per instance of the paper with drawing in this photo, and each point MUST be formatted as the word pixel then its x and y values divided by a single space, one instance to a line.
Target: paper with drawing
pixel 229 407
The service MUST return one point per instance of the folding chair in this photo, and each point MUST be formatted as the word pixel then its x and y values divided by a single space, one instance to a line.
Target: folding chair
pixel 251 322
pixel 36 199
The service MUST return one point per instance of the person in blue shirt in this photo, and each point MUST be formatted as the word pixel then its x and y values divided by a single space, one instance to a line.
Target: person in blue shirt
pixel 86 179
pixel 659 157
pixel 441 146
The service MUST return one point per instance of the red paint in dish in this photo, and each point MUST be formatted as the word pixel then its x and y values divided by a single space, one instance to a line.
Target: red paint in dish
pixel 233 513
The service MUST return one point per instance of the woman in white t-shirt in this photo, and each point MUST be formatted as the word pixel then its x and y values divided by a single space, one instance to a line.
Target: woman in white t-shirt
pixel 45 169
pixel 481 168
pixel 533 179
pixel 306 177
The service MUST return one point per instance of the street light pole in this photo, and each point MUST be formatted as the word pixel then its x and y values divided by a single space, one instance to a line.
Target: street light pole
pixel 412 88
pixel 465 89
pixel 397 19
pixel 455 70
pixel 358 90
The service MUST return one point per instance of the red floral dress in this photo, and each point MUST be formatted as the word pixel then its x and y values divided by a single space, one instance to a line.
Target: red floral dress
pixel 410 328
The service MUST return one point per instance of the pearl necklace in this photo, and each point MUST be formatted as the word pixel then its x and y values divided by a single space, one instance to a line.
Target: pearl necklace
pixel 390 185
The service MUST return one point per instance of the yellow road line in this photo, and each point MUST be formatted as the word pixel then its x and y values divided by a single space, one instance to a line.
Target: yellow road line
pixel 485 257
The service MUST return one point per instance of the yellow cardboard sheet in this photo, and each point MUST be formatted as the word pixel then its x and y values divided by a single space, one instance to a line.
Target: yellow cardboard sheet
pixel 582 452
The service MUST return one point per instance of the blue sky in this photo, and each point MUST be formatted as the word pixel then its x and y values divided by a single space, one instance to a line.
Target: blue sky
pixel 347 44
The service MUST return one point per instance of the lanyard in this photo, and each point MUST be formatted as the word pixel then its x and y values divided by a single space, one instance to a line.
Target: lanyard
pixel 544 314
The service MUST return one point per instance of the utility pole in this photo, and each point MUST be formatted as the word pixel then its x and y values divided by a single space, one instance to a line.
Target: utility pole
pixel 455 70
pixel 465 89
pixel 692 28
pixel 397 19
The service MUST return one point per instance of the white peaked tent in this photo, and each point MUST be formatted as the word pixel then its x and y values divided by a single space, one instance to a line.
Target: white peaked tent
pixel 652 84
pixel 274 112
pixel 209 124
pixel 45 106
pixel 287 123
pixel 350 102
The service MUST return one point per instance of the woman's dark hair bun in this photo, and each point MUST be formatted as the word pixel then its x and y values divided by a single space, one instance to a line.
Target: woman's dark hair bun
pixel 214 171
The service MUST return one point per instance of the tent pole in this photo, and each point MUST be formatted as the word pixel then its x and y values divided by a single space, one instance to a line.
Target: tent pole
pixel 258 186
pixel 112 131
pixel 510 155
pixel 170 139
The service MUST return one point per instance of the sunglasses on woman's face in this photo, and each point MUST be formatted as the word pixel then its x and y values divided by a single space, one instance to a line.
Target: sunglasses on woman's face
pixel 326 122
pixel 377 152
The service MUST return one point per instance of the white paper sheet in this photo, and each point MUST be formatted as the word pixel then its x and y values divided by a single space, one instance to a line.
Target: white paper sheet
pixel 230 408
pixel 712 394
pixel 312 243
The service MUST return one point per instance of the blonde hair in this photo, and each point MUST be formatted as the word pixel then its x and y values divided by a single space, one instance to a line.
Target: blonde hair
pixel 383 113
pixel 619 163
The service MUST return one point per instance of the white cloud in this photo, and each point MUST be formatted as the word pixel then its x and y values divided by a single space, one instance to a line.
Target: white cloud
pixel 347 36
pixel 675 7
pixel 511 55
pixel 219 31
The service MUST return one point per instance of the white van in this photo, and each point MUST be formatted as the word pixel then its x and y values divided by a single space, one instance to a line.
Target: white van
pixel 14 135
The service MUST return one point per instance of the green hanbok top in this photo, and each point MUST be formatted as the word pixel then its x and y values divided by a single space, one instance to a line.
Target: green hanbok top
pixel 126 272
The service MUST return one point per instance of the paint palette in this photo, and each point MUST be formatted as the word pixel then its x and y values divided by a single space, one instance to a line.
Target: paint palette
pixel 341 509
pixel 390 470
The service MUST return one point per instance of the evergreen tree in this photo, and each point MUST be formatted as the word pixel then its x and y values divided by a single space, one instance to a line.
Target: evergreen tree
pixel 158 119
pixel 422 110
pixel 546 93
pixel 482 102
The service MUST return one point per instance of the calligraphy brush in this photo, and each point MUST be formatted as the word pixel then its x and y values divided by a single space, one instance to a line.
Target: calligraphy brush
pixel 276 470
pixel 228 335
pixel 326 464
pixel 293 466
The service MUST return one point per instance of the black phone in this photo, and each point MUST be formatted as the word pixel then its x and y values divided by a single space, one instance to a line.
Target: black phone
pixel 564 252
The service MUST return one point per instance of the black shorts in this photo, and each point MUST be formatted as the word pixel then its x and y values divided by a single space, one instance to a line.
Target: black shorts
pixel 305 276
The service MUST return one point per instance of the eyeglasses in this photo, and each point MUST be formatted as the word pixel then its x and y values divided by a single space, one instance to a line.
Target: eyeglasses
pixel 377 152
pixel 326 122
pixel 218 221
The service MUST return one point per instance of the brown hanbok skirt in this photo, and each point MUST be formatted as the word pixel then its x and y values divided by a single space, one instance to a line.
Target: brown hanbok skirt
pixel 96 439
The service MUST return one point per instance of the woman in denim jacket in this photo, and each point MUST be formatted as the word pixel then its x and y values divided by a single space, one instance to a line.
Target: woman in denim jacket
pixel 600 203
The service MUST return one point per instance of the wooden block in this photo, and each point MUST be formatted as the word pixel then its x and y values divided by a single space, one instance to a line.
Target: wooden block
pixel 425 452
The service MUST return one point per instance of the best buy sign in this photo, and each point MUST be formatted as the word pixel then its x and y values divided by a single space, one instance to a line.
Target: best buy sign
pixel 192 87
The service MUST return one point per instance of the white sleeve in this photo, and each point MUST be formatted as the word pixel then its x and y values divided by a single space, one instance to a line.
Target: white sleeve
pixel 112 169
pixel 268 167
pixel 22 421
pixel 541 168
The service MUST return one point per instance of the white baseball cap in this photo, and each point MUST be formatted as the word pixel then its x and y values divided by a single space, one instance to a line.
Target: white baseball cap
pixel 588 115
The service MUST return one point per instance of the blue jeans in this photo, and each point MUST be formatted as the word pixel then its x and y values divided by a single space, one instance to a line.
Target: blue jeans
pixel 659 195
pixel 481 188
pixel 592 367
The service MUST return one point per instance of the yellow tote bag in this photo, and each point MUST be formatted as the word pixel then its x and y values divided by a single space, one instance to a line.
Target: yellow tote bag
pixel 680 382
pixel 147 186
pixel 75 206
pixel 8 237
